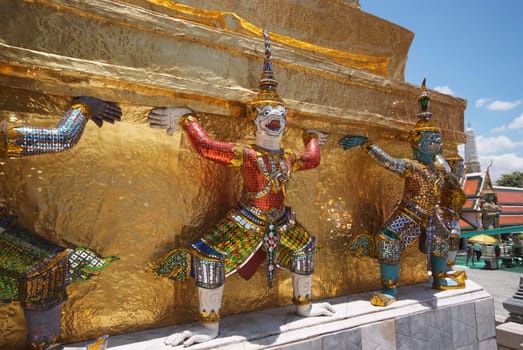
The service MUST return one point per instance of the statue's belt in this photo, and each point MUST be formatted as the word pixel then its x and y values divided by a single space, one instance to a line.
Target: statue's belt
pixel 415 211
pixel 255 219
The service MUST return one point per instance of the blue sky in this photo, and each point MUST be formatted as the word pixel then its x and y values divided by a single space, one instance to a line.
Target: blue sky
pixel 471 49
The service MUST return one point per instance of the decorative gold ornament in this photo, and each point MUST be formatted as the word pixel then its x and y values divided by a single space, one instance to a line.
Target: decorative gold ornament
pixel 300 300
pixel 212 316
pixel 380 299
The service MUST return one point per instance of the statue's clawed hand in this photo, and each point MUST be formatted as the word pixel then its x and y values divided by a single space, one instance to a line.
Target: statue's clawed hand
pixel 167 118
pixel 351 141
pixel 322 135
pixel 100 110
pixel 199 334
pixel 311 310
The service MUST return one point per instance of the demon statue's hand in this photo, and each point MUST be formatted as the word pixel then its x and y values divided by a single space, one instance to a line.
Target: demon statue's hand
pixel 322 135
pixel 167 118
pixel 200 334
pixel 351 141
pixel 442 164
pixel 310 310
pixel 100 110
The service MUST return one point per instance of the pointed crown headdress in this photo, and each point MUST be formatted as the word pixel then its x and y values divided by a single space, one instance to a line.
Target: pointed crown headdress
pixel 267 84
pixel 424 122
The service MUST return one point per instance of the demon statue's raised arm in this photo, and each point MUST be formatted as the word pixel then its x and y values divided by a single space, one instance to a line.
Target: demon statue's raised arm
pixel 261 229
pixel 416 217
pixel 20 141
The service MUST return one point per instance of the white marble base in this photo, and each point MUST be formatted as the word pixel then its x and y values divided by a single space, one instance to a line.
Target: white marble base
pixel 510 336
pixel 422 318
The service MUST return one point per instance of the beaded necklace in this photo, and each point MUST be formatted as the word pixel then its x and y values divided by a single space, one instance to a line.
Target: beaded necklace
pixel 277 177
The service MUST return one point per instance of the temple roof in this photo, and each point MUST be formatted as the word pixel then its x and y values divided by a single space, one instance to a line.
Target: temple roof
pixel 510 200
pixel 475 186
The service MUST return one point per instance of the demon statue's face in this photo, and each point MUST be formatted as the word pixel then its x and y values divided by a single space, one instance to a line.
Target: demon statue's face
pixel 430 143
pixel 271 120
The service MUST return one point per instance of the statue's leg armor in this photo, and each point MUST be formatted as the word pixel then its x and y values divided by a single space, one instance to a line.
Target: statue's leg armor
pixel 210 277
pixel 388 251
pixel 451 259
pixel 302 269
pixel 43 326
pixel 439 249
pixel 301 290
pixel 454 237
pixel 210 304
pixel 441 280
pixel 389 278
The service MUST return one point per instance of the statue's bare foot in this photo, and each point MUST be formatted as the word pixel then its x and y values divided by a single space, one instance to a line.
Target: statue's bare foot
pixel 311 310
pixel 206 332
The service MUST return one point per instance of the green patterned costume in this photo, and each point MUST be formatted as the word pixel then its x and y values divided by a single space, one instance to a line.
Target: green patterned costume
pixel 36 272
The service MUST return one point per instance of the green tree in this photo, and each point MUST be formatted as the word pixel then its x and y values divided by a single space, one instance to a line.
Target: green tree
pixel 514 179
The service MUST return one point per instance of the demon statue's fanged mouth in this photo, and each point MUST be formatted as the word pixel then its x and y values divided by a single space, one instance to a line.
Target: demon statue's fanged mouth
pixel 271 119
pixel 273 125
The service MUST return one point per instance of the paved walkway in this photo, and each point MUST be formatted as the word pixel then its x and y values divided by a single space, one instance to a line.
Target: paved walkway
pixel 501 284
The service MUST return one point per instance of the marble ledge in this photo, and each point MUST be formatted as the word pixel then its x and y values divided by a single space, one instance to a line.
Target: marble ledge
pixel 469 311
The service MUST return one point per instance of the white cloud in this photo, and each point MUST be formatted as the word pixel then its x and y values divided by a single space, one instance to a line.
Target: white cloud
pixel 499 129
pixel 503 105
pixel 495 144
pixel 517 123
pixel 444 90
pixel 482 101
pixel 501 164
